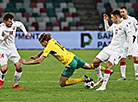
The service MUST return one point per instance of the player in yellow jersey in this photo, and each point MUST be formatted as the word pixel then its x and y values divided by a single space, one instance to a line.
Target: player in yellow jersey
pixel 70 60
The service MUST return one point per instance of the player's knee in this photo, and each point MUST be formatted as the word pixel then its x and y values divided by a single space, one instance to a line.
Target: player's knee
pixel 95 63
pixel 135 58
pixel 123 60
pixel 4 68
pixel 108 65
pixel 19 67
pixel 61 83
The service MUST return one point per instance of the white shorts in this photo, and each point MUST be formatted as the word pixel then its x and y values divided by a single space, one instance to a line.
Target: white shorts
pixel 10 54
pixel 109 55
pixel 134 51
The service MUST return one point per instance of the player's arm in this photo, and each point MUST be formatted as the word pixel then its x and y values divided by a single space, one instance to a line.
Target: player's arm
pixel 136 25
pixel 22 27
pixel 37 56
pixel 37 61
pixel 130 41
pixel 106 25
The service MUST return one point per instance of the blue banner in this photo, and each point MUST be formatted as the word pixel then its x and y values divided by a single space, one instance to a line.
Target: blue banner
pixel 70 40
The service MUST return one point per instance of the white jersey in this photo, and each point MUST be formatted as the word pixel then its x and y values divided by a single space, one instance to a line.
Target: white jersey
pixel 132 22
pixel 11 31
pixel 121 32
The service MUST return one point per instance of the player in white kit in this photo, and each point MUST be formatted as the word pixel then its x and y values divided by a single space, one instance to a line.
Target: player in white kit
pixel 133 25
pixel 112 53
pixel 8 49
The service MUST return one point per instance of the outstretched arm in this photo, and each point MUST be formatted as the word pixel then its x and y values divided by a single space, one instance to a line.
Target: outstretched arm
pixel 106 25
pixel 22 27
pixel 37 61
pixel 37 56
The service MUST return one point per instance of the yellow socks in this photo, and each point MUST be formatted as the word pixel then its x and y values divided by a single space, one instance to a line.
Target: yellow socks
pixel 102 68
pixel 72 81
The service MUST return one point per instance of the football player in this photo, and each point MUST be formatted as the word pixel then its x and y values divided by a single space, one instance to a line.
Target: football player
pixel 111 54
pixel 133 23
pixel 8 49
pixel 70 60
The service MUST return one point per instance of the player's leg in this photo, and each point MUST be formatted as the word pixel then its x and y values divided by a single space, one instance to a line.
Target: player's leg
pixel 2 74
pixel 106 76
pixel 96 63
pixel 4 66
pixel 82 64
pixel 65 81
pixel 69 70
pixel 135 57
pixel 123 69
pixel 14 58
pixel 17 76
pixel 101 57
pixel 136 67
pixel 113 60
pixel 102 67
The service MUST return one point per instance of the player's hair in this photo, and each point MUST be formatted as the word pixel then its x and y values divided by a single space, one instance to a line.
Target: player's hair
pixel 8 16
pixel 123 7
pixel 116 12
pixel 45 36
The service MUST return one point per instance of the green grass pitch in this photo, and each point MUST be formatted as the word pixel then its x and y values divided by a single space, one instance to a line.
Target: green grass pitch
pixel 41 82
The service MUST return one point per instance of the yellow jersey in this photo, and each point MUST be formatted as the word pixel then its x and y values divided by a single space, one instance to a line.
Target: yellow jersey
pixel 58 51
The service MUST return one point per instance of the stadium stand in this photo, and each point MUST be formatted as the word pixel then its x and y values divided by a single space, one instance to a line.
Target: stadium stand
pixel 41 15
pixel 106 6
pixel 63 15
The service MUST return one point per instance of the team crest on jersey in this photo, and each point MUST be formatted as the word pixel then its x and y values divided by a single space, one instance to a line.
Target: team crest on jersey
pixel 127 25
pixel 129 22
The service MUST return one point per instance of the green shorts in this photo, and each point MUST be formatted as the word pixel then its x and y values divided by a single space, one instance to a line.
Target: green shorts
pixel 75 64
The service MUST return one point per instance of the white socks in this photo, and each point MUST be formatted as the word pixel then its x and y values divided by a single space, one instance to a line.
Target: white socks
pixel 136 68
pixel 2 76
pixel 123 70
pixel 106 78
pixel 98 71
pixel 17 76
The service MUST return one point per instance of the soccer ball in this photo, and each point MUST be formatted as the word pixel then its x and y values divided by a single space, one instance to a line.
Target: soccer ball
pixel 89 84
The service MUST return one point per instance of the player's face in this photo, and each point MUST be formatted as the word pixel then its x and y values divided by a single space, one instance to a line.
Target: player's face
pixel 9 22
pixel 113 18
pixel 44 43
pixel 123 12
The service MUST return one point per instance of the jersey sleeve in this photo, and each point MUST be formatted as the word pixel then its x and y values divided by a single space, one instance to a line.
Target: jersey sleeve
pixel 21 26
pixel 107 27
pixel 129 37
pixel 136 25
pixel 135 22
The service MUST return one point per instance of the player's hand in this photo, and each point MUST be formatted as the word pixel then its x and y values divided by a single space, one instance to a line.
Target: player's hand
pixel 22 61
pixel 6 37
pixel 32 57
pixel 28 34
pixel 105 16
pixel 130 57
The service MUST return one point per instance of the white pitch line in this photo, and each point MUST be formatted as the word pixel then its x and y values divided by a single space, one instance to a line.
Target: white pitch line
pixel 51 81
pixel 61 72
pixel 56 81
